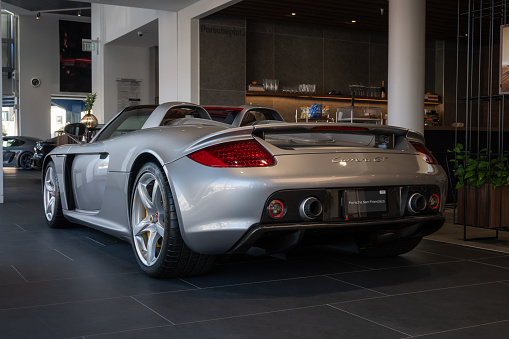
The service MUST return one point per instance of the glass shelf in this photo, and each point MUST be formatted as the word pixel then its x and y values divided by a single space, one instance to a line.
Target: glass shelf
pixel 323 97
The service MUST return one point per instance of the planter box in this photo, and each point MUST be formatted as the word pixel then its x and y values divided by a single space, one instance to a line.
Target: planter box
pixel 483 206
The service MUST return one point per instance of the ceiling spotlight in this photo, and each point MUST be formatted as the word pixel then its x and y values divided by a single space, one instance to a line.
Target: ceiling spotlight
pixel 354 21
pixel 79 12
pixel 38 16
pixel 294 14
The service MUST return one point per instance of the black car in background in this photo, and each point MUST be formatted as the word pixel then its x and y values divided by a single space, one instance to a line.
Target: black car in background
pixel 42 148
pixel 18 151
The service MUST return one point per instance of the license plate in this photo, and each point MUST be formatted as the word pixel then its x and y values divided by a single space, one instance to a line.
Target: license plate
pixel 361 203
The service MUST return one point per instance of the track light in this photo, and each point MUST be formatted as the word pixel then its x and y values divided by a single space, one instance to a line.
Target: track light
pixel 38 16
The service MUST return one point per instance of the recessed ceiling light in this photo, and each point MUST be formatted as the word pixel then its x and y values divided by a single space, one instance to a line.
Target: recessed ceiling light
pixel 294 14
pixel 354 21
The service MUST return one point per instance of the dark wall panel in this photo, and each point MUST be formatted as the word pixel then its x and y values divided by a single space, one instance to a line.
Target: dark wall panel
pixel 222 61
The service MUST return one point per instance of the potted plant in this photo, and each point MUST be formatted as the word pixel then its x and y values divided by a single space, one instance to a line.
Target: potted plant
pixel 482 185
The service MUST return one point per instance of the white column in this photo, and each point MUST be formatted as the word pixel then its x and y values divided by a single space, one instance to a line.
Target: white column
pixel 97 33
pixel 405 85
pixel 168 57
pixel 1 144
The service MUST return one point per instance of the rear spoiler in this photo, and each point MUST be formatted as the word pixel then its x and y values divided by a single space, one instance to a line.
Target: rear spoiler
pixel 262 130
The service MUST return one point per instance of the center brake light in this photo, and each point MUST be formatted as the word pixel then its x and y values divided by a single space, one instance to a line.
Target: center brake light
pixel 245 153
pixel 424 153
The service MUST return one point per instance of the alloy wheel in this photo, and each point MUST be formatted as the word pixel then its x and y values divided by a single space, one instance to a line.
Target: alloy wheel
pixel 148 219
pixel 49 193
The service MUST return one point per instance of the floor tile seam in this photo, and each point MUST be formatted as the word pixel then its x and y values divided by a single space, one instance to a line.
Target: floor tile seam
pixel 20 227
pixel 365 288
pixel 488 264
pixel 234 285
pixel 422 291
pixel 439 254
pixel 86 336
pixel 78 278
pixel 461 328
pixel 471 246
pixel 147 307
pixel 369 320
pixel 397 267
pixel 21 275
pixel 71 302
pixel 250 314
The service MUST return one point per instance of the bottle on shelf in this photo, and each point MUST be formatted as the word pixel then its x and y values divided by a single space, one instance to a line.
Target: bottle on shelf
pixel 383 93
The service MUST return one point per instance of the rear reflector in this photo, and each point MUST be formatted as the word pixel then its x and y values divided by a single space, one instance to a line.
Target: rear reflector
pixel 424 152
pixel 340 128
pixel 246 153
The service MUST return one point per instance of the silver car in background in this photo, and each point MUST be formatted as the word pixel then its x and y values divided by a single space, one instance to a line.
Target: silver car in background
pixel 184 189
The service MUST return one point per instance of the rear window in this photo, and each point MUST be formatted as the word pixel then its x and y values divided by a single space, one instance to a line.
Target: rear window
pixel 223 114
pixel 180 113
pixel 321 140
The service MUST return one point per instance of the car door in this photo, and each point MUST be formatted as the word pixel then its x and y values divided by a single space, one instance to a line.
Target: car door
pixel 8 144
pixel 89 172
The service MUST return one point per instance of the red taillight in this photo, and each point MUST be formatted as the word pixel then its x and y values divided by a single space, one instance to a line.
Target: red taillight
pixel 340 128
pixel 424 152
pixel 246 153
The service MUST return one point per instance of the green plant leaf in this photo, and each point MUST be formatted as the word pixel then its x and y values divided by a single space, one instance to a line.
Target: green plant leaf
pixel 472 181
pixel 469 175
pixel 459 184
pixel 471 161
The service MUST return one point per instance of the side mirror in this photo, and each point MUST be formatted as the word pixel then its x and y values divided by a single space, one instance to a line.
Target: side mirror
pixel 75 131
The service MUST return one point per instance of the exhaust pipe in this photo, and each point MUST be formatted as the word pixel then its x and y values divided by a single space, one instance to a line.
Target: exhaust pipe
pixel 310 208
pixel 416 203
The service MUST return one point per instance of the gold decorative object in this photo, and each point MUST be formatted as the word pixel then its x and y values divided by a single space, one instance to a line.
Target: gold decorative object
pixel 89 119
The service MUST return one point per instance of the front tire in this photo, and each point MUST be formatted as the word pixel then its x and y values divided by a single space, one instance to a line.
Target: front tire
pixel 51 198
pixel 157 242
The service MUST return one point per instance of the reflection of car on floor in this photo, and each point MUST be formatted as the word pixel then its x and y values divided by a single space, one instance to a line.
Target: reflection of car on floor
pixel 244 115
pixel 18 151
pixel 183 188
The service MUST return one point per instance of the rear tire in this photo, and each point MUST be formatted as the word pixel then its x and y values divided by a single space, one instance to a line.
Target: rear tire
pixel 157 242
pixel 51 198
pixel 390 249
pixel 24 160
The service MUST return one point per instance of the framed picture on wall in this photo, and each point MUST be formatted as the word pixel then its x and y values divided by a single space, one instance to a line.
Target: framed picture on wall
pixel 504 59
pixel 75 64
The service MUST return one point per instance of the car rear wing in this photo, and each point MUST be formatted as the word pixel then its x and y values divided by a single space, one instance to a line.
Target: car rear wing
pixel 383 136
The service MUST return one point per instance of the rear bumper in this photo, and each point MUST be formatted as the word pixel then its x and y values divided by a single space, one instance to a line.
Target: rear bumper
pixel 416 226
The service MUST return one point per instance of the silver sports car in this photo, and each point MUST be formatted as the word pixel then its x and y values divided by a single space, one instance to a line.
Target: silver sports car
pixel 183 188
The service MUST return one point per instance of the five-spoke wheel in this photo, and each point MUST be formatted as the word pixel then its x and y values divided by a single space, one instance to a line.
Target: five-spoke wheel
pixel 160 250
pixel 148 219
pixel 51 198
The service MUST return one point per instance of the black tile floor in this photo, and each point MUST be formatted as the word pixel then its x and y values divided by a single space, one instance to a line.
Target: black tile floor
pixel 80 283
